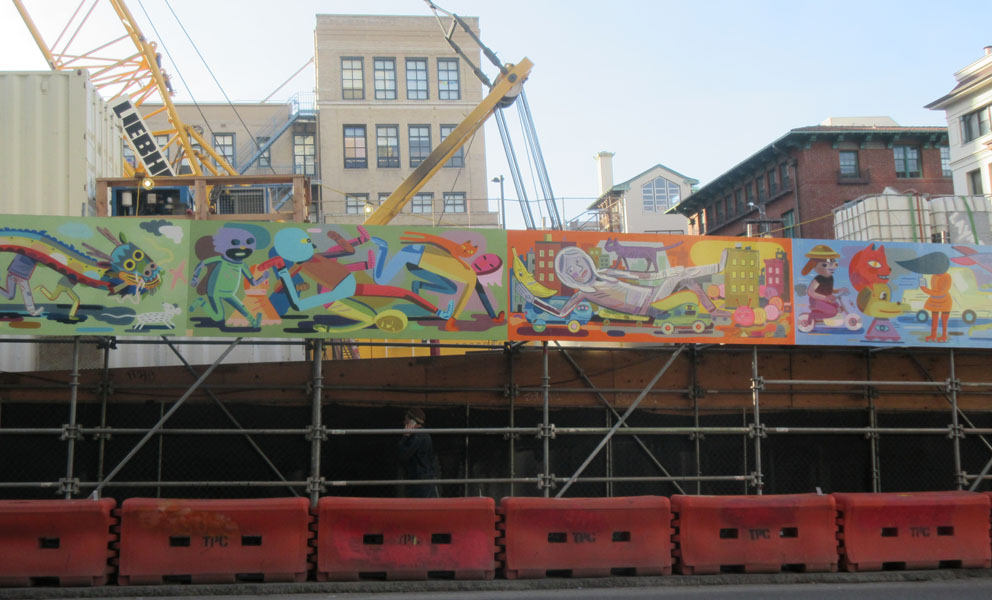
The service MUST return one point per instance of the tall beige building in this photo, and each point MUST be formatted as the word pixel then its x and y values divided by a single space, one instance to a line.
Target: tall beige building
pixel 389 89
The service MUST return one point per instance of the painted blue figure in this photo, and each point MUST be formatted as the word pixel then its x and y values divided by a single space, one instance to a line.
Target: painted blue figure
pixel 233 244
pixel 18 278
pixel 293 246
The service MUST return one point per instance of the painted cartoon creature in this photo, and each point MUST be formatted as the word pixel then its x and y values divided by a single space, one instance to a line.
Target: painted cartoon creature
pixel 127 272
pixel 939 302
pixel 233 245
pixel 869 272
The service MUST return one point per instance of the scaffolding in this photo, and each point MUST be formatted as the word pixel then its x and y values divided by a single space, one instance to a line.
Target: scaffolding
pixel 753 431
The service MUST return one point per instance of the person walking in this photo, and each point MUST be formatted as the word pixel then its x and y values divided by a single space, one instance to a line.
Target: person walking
pixel 416 456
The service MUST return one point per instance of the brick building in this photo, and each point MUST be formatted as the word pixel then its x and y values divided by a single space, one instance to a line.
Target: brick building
pixel 790 187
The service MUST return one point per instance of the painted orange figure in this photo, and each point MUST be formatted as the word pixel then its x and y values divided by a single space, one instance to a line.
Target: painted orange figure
pixel 939 304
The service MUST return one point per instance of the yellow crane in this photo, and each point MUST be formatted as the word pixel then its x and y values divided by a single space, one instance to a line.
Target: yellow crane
pixel 127 70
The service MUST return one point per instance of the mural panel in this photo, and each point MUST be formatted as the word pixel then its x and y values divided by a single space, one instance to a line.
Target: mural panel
pixel 66 276
pixel 590 286
pixel 300 280
pixel 898 294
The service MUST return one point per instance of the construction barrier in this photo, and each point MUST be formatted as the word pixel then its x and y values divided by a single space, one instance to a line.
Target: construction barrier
pixel 214 541
pixel 919 530
pixel 397 538
pixel 754 534
pixel 61 542
pixel 585 537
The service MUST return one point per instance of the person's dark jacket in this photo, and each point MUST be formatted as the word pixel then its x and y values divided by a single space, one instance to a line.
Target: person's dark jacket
pixel 417 459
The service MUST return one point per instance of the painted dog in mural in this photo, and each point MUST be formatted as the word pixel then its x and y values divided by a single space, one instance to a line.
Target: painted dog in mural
pixel 127 272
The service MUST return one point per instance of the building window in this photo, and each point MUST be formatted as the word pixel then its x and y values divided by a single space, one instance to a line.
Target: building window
pixel 304 154
pixel 759 184
pixel 129 157
pixel 416 79
pixel 975 183
pixel 659 194
pixel 454 202
pixel 748 198
pixel 945 161
pixel 265 158
pixel 848 163
pixel 420 143
pixel 355 151
pixel 907 161
pixel 354 204
pixel 352 79
pixel 163 141
pixel 387 144
pixel 383 196
pixel 224 145
pixel 384 71
pixel 422 203
pixel 772 184
pixel 975 124
pixel 448 86
pixel 784 170
pixel 719 212
pixel 458 158
pixel 789 224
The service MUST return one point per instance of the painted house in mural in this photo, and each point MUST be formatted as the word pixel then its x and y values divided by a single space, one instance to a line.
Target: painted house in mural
pixel 741 277
pixel 790 187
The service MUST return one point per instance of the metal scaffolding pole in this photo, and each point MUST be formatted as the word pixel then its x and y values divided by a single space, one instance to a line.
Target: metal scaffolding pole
pixel 876 471
pixel 620 422
pixel 317 433
pixel 103 483
pixel 694 396
pixel 511 391
pixel 756 386
pixel 546 424
pixel 230 416
pixel 102 438
pixel 70 432
pixel 581 372
pixel 956 434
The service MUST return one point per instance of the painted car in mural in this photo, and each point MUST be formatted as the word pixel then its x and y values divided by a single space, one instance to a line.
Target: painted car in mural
pixel 904 294
pixel 647 288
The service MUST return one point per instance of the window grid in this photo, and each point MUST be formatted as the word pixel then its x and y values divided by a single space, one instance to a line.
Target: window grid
pixel 354 204
pixel 420 143
pixel 387 143
pixel 448 85
pixel 304 154
pixel 784 168
pixel 416 79
pixel 907 159
pixel 659 194
pixel 355 151
pixel 945 161
pixel 352 79
pixel 265 158
pixel 848 163
pixel 422 203
pixel 454 202
pixel 458 158
pixel 385 78
pixel 975 124
pixel 224 145
pixel 789 224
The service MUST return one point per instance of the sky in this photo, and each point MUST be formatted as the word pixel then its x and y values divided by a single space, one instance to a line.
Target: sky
pixel 695 86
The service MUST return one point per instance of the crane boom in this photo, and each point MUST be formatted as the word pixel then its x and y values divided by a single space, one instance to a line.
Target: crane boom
pixel 504 90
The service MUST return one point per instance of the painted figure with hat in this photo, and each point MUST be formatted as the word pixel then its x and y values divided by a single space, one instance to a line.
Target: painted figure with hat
pixel 823 301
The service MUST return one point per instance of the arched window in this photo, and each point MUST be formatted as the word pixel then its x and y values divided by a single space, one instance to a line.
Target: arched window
pixel 659 194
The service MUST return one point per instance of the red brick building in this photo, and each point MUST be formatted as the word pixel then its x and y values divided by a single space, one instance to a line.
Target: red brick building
pixel 790 187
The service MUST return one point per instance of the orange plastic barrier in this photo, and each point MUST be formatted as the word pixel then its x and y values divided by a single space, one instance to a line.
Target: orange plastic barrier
pixel 586 537
pixel 919 530
pixel 66 542
pixel 397 538
pixel 214 541
pixel 754 534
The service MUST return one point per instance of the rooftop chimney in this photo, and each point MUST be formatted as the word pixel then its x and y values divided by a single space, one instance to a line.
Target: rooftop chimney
pixel 605 170
pixel 988 50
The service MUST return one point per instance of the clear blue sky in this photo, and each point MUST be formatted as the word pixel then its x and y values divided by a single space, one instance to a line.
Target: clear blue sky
pixel 696 86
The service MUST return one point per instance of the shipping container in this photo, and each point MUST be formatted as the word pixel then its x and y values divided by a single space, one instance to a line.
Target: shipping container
pixel 59 136
pixel 962 219
pixel 889 217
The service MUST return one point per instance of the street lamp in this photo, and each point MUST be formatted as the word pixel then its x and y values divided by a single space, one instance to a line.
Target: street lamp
pixel 763 223
pixel 502 200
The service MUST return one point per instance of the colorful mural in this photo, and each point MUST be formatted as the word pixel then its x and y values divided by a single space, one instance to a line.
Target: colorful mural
pixel 586 286
pixel 115 276
pixel 62 276
pixel 900 294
